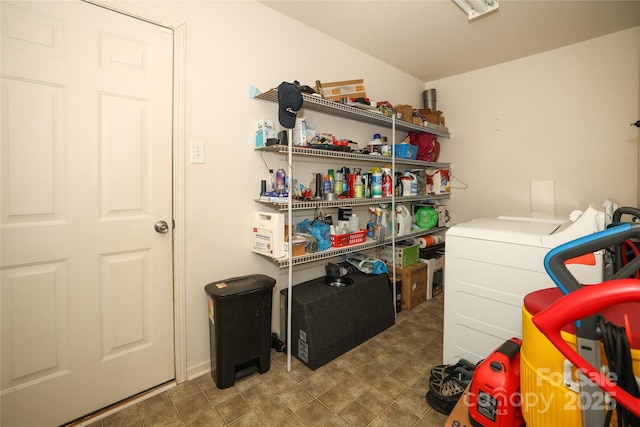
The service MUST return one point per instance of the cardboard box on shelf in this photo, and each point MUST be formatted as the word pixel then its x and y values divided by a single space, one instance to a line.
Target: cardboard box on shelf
pixel 299 246
pixel 406 254
pixel 414 284
pixel 459 417
pixel 299 243
pixel 344 89
pixel 405 111
pixel 430 116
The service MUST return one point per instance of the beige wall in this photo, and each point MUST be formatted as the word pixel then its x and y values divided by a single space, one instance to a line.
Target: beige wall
pixel 230 46
pixel 562 116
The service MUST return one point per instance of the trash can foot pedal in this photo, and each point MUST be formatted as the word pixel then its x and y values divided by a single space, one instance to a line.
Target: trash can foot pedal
pixel 245 369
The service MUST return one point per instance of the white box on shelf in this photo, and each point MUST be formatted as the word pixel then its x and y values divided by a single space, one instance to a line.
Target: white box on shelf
pixel 267 234
pixel 263 135
pixel 299 133
pixel 265 124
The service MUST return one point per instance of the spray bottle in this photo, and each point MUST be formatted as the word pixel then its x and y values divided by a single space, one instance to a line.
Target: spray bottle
pixel 380 227
pixel 387 186
pixel 376 225
pixel 372 221
pixel 384 224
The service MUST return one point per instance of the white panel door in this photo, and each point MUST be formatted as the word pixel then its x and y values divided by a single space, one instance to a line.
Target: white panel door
pixel 86 280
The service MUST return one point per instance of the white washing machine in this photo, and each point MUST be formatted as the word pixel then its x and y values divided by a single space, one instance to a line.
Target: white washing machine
pixel 491 264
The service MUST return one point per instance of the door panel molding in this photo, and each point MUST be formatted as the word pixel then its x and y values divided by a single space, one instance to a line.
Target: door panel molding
pixel 179 143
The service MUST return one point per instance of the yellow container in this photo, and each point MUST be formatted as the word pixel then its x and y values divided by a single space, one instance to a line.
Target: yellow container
pixel 546 401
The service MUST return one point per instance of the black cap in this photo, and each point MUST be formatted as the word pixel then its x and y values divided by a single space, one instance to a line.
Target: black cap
pixel 289 101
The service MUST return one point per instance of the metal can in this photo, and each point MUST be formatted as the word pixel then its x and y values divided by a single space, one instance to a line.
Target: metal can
pixel 280 180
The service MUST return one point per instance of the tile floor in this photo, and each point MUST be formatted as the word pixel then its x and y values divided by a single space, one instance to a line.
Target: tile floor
pixel 382 382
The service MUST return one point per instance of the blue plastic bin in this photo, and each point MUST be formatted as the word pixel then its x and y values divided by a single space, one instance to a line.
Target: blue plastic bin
pixel 405 151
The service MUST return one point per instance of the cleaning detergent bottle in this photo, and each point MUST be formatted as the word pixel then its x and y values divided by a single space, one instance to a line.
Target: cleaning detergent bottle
pixel 403 220
pixel 376 225
pixel 327 184
pixel 376 184
pixel 387 186
pixel 414 182
pixel 372 221
pixel 398 184
pixel 380 229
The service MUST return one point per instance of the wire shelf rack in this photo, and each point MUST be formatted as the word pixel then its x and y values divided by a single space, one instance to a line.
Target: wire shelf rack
pixel 346 111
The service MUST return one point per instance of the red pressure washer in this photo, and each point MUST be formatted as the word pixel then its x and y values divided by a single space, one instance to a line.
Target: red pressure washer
pixel 494 400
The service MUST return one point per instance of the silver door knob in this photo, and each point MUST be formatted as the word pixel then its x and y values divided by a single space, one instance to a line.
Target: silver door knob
pixel 161 227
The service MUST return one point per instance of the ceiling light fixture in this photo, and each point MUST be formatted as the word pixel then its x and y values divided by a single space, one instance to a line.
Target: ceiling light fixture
pixel 476 8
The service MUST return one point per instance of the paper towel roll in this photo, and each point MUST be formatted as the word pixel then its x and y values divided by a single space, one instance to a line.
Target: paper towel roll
pixel 426 241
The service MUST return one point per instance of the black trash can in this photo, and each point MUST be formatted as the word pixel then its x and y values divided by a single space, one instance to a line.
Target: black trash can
pixel 239 327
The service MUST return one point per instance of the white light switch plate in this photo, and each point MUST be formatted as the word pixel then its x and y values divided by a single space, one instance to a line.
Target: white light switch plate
pixel 197 152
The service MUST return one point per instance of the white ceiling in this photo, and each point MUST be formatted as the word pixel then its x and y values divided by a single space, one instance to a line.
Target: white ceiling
pixel 433 39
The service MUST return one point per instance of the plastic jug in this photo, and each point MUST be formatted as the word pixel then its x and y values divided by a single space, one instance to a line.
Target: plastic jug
pixel 403 220
pixel 414 183
pixel 405 182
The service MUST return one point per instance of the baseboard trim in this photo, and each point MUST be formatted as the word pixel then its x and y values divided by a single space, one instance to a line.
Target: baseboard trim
pixel 198 370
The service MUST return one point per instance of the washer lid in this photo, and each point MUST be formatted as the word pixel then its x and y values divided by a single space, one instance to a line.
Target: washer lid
pixel 505 230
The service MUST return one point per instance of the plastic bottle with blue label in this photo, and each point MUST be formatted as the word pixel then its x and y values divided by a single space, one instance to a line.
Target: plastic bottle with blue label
pixel 414 182
pixel 372 221
pixel 376 185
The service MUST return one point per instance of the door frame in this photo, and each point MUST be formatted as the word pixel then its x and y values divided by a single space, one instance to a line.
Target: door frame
pixel 178 176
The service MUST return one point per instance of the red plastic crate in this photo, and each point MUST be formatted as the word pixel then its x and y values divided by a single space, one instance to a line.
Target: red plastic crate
pixel 338 241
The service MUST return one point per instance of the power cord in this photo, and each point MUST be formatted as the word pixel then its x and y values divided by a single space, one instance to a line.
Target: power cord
pixel 277 344
pixel 618 352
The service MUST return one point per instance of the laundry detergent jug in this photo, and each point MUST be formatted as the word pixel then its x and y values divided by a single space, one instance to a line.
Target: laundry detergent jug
pixel 414 183
pixel 403 220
